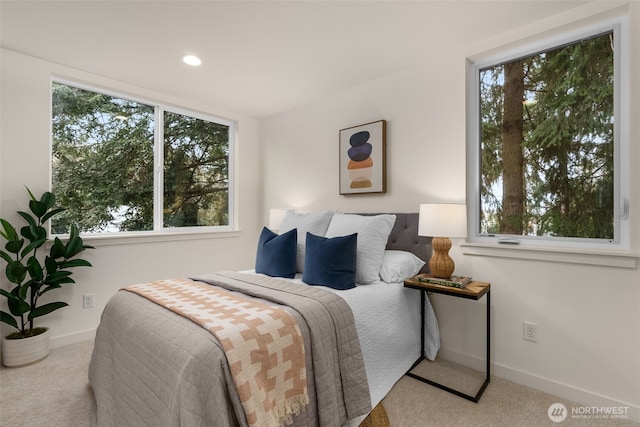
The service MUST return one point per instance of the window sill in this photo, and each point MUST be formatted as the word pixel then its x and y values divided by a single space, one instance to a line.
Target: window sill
pixel 574 256
pixel 152 237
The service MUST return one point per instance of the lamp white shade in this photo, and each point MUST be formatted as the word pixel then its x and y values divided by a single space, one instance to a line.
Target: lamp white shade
pixel 276 216
pixel 443 220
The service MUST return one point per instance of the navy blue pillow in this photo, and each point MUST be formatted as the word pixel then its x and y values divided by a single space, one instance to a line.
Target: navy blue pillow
pixel 330 261
pixel 277 253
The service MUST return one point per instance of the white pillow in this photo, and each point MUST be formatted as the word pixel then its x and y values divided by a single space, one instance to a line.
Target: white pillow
pixel 398 266
pixel 314 223
pixel 373 233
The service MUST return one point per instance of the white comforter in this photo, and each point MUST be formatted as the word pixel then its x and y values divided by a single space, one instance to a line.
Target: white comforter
pixel 387 319
pixel 388 323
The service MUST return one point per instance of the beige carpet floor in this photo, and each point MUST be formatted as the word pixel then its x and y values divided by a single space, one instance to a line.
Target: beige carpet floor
pixel 56 392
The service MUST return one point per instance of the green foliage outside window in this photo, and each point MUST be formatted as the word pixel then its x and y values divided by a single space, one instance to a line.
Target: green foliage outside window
pixel 546 130
pixel 196 171
pixel 103 165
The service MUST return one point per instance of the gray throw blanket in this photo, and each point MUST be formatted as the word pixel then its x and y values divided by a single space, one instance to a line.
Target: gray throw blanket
pixel 152 367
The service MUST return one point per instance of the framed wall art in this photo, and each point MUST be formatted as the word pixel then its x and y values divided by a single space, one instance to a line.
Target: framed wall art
pixel 363 158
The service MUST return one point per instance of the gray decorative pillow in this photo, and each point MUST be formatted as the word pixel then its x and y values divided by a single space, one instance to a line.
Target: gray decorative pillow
pixel 314 223
pixel 373 233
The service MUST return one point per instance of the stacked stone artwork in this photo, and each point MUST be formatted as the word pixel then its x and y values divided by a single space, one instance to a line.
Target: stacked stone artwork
pixel 360 163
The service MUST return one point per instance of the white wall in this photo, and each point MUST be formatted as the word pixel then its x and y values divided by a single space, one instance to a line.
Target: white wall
pixel 588 316
pixel 24 160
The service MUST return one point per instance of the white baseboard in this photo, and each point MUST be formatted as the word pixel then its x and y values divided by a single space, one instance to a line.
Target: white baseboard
pixel 61 340
pixel 565 391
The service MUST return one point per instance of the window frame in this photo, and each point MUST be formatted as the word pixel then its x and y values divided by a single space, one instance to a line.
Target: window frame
pixel 168 233
pixel 524 245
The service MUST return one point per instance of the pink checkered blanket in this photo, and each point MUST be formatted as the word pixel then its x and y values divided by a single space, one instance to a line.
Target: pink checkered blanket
pixel 263 345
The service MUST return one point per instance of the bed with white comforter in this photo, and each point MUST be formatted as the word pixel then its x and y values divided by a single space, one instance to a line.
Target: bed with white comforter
pixel 387 317
pixel 154 367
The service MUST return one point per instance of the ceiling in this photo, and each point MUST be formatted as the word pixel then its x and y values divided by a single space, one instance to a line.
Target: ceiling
pixel 259 58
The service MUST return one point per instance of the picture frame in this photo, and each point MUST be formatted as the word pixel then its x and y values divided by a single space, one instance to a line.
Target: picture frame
pixel 363 158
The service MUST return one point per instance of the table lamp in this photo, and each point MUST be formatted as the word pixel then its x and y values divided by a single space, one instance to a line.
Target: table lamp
pixel 442 221
pixel 276 216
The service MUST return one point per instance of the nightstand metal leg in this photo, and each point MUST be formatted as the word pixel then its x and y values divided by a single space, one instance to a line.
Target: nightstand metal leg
pixel 422 302
pixel 422 357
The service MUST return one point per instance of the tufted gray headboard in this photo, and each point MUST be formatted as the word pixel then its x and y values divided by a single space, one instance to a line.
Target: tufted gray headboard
pixel 404 237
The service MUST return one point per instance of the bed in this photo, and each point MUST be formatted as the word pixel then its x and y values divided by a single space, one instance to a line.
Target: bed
pixel 152 366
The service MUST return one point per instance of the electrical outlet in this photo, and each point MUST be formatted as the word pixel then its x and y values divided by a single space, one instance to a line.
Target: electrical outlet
pixel 88 300
pixel 530 331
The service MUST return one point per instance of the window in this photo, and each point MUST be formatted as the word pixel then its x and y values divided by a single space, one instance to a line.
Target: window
pixel 545 144
pixel 104 154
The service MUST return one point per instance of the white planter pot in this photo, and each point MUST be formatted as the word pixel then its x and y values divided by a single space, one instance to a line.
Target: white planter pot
pixel 25 351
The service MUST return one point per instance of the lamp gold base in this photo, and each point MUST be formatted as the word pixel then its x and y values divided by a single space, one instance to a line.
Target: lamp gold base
pixel 440 264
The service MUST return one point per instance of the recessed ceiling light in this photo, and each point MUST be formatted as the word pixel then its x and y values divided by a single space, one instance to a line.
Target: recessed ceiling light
pixel 191 60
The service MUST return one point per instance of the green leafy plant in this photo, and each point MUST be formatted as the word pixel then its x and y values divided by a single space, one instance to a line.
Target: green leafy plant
pixel 31 277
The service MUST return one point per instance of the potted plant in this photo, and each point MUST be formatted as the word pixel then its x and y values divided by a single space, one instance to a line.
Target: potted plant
pixel 34 273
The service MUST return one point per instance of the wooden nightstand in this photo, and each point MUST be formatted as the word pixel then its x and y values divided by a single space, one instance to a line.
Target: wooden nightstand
pixel 475 291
